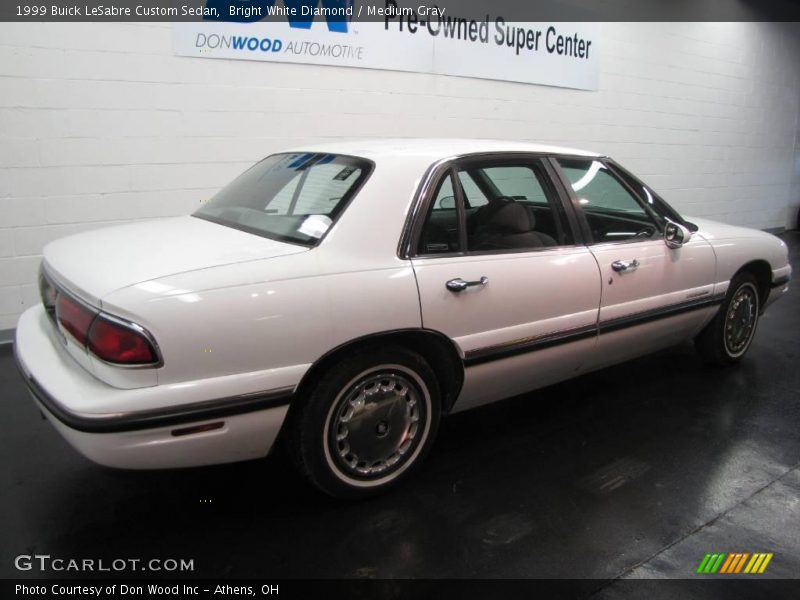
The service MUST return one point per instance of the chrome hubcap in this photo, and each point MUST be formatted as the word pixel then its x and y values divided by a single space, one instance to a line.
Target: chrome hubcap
pixel 376 424
pixel 740 320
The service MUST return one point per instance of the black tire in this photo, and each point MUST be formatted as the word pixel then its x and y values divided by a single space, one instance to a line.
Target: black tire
pixel 726 339
pixel 382 402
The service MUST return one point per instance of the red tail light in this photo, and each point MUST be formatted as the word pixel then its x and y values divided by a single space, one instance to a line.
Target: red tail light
pixel 74 317
pixel 109 338
pixel 122 344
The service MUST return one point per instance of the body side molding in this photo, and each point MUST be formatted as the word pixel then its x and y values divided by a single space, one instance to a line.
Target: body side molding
pixel 523 346
pixel 161 417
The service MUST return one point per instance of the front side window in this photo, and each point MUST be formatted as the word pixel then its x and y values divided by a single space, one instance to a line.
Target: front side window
pixel 495 206
pixel 613 213
pixel 663 212
pixel 293 197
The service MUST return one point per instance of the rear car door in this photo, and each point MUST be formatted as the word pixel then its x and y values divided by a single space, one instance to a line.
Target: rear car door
pixel 652 296
pixel 499 272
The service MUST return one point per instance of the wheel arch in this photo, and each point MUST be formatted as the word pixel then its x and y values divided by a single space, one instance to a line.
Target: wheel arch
pixel 761 270
pixel 437 349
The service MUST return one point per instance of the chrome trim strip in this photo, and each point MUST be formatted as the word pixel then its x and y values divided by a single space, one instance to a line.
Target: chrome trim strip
pixel 532 344
pixel 57 281
pixel 698 294
pixel 525 345
pixel 157 417
pixel 647 316
pixel 137 329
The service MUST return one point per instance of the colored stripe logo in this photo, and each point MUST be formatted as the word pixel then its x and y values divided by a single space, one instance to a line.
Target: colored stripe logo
pixel 735 563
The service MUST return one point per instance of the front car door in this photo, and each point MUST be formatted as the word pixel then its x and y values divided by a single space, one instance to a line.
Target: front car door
pixel 500 272
pixel 652 296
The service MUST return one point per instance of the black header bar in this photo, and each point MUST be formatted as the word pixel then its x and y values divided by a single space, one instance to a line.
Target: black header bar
pixel 380 10
pixel 400 589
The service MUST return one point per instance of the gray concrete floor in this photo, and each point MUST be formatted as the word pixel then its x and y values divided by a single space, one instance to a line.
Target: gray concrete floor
pixel 632 472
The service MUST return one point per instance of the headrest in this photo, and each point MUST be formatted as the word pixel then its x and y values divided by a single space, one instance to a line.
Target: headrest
pixel 512 218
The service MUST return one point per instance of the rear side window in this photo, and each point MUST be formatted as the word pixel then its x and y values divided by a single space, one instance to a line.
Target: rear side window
pixel 289 197
pixel 518 214
pixel 445 197
pixel 518 183
pixel 495 205
pixel 473 195
pixel 440 232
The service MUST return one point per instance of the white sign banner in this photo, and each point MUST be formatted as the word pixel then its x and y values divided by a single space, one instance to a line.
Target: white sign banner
pixel 557 54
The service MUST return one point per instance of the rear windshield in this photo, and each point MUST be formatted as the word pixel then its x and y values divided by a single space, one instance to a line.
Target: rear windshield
pixel 292 198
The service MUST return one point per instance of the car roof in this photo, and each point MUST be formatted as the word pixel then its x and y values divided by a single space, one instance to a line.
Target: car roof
pixel 434 148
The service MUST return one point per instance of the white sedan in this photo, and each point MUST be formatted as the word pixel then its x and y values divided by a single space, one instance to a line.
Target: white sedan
pixel 344 297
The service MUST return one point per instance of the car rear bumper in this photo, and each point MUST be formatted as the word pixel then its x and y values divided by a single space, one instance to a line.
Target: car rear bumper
pixel 190 433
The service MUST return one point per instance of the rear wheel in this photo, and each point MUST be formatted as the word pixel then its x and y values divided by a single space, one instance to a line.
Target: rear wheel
pixel 727 338
pixel 367 423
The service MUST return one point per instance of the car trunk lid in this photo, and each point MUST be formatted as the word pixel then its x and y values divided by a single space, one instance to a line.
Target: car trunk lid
pixel 96 263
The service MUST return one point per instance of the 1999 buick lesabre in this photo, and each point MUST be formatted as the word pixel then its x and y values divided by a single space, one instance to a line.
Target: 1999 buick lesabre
pixel 345 297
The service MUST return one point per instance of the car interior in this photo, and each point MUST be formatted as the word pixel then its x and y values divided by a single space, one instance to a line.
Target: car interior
pixel 506 208
pixel 613 213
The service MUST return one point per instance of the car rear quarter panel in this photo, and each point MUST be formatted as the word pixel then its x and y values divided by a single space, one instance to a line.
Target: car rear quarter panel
pixel 273 318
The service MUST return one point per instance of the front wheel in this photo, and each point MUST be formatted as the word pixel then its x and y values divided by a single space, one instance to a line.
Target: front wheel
pixel 367 423
pixel 727 338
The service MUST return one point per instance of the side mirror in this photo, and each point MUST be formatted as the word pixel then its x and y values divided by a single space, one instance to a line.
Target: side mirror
pixel 676 235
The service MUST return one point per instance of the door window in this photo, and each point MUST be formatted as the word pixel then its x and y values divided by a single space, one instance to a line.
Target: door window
pixel 614 214
pixel 440 232
pixel 502 206
pixel 473 196
pixel 663 212
pixel 519 183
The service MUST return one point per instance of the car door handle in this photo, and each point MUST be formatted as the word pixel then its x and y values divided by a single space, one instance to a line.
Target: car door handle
pixel 625 266
pixel 459 285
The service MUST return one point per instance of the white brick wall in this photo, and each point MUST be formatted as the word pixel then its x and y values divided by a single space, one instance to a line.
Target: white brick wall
pixel 100 123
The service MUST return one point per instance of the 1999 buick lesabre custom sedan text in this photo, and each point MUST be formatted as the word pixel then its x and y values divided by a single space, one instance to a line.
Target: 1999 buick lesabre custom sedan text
pixel 112 10
pixel 344 297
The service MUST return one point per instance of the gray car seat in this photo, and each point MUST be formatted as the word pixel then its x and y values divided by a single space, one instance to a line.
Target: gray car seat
pixel 507 226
